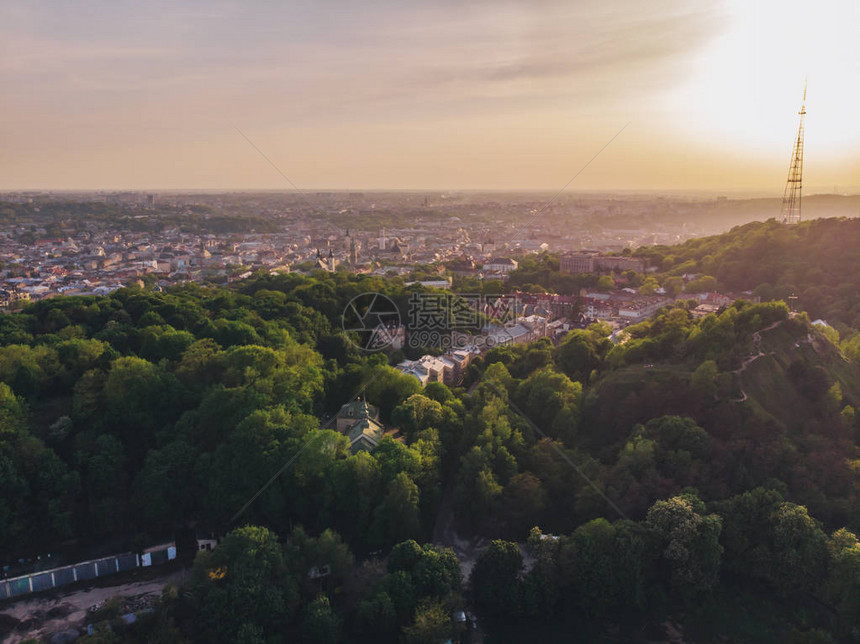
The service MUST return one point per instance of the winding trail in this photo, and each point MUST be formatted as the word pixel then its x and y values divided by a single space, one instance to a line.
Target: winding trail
pixel 746 362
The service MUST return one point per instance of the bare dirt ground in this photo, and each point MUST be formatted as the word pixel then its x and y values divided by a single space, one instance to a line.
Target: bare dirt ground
pixel 42 616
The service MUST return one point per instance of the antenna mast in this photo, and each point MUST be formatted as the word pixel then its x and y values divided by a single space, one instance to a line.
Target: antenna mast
pixel 791 198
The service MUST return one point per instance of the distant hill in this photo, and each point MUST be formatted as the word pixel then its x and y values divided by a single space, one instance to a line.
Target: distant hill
pixel 817 260
pixel 734 212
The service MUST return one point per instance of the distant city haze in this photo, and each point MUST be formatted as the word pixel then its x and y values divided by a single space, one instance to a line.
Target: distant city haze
pixel 427 95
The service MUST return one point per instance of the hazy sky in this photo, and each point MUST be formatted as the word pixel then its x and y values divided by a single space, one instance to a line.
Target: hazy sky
pixel 427 93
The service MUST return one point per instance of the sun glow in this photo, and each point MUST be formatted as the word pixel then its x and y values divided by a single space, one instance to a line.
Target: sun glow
pixel 748 85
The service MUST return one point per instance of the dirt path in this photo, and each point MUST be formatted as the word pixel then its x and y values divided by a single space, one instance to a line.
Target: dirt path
pixel 756 337
pixel 746 362
pixel 40 617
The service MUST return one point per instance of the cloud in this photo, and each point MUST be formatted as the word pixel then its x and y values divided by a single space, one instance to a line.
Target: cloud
pixel 427 49
pixel 82 77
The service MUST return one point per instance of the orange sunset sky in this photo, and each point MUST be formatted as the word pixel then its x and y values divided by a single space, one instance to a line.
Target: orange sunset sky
pixel 427 94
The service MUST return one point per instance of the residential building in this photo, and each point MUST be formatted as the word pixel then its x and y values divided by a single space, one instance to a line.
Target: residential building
pixel 592 262
pixel 359 421
pixel 502 265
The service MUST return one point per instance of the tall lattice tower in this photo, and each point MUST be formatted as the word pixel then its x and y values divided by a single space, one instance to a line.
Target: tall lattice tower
pixel 794 186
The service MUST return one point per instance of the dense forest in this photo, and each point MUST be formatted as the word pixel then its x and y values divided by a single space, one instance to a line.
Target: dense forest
pixel 697 469
pixel 816 261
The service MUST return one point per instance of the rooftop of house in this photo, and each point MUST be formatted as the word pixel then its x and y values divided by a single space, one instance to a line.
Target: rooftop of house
pixel 365 434
pixel 358 409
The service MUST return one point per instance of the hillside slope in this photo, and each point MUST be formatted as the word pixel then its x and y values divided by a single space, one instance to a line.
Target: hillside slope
pixel 817 260
pixel 778 412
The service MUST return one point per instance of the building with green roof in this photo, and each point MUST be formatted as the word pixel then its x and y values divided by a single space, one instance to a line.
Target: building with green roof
pixel 359 421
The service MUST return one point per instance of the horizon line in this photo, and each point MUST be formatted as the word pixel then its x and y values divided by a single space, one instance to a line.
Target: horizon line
pixel 739 192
